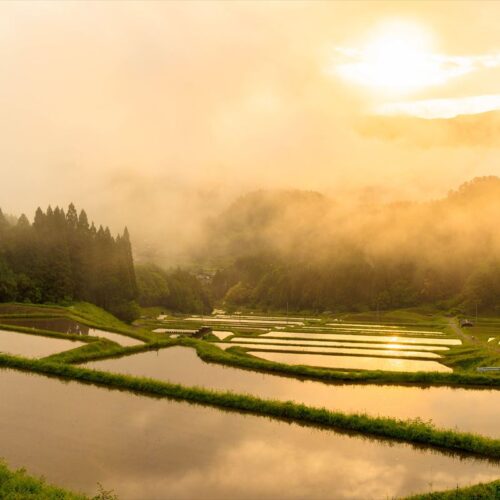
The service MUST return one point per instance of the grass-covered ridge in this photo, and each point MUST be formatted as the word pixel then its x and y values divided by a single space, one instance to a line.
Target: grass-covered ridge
pixel 17 485
pixel 483 491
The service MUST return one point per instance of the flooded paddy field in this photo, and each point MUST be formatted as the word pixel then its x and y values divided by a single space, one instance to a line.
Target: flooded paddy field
pixel 371 338
pixel 68 326
pixel 33 346
pixel 327 350
pixel 332 343
pixel 379 328
pixel 337 345
pixel 237 321
pixel 464 409
pixel 77 435
pixel 352 362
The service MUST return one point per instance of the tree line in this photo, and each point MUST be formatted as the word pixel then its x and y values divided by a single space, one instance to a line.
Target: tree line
pixel 175 290
pixel 302 251
pixel 61 257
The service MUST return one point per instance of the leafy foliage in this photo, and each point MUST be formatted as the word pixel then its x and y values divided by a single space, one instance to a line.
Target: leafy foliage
pixel 308 252
pixel 60 257
pixel 176 290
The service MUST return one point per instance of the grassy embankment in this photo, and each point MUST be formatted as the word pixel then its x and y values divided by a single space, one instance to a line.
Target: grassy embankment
pixel 17 485
pixel 483 491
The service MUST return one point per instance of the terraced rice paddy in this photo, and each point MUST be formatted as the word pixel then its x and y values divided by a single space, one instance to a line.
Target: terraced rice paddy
pixel 67 326
pixel 256 317
pixel 148 448
pixel 371 338
pixel 33 346
pixel 236 322
pixel 376 330
pixel 336 350
pixel 353 362
pixel 320 343
pixel 381 328
pixel 465 409
pixel 341 345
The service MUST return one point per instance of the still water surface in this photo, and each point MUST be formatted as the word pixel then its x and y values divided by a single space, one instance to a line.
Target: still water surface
pixel 332 343
pixel 371 338
pixel 352 362
pixel 464 409
pixel 33 346
pixel 77 435
pixel 336 350
pixel 68 326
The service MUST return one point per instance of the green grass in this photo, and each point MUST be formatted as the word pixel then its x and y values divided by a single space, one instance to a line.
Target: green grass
pixel 483 491
pixel 17 485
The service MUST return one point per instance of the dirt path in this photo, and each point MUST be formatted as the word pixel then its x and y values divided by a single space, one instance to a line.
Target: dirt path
pixel 466 338
pixel 471 339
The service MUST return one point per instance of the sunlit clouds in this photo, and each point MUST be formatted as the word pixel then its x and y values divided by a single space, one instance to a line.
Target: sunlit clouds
pixel 442 108
pixel 399 59
pixel 396 58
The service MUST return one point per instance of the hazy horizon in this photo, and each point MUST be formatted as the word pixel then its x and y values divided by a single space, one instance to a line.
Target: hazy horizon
pixel 169 111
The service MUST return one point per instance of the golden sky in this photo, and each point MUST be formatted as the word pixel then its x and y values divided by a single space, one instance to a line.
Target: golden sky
pixel 106 103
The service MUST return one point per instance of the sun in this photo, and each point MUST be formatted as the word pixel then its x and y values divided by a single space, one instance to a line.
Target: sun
pixel 397 58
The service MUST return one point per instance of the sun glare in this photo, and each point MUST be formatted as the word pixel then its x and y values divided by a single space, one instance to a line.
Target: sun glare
pixel 397 58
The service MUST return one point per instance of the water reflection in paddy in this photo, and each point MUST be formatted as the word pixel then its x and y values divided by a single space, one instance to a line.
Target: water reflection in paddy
pixel 352 362
pixel 381 328
pixel 150 448
pixel 237 321
pixel 326 343
pixel 33 346
pixel 322 360
pixel 68 326
pixel 371 338
pixel 374 330
pixel 468 410
pixel 336 350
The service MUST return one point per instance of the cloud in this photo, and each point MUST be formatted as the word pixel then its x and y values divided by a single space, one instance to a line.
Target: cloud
pixel 478 131
pixel 389 64
pixel 442 108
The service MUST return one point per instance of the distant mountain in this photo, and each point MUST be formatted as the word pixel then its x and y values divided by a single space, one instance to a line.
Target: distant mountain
pixel 352 255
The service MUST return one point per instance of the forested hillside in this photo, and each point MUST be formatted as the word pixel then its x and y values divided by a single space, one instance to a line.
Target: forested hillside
pixel 61 257
pixel 176 290
pixel 316 253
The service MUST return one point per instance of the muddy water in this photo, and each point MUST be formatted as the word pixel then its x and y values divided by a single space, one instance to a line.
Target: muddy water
pixel 467 410
pixel 77 435
pixel 33 346
pixel 63 325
